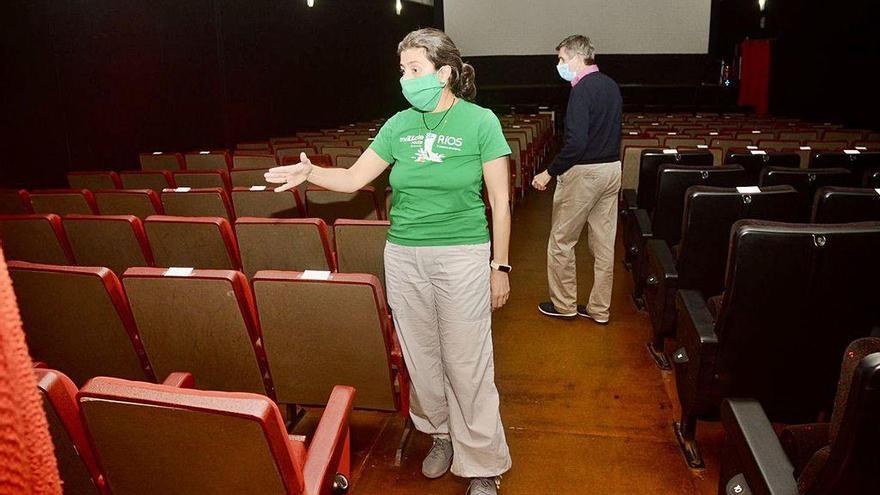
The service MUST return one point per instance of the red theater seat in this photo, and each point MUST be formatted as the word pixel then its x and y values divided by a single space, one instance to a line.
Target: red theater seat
pixel 64 201
pixel 94 180
pixel 116 242
pixel 38 238
pixel 159 439
pixel 197 242
pixel 295 244
pixel 138 202
pixel 77 321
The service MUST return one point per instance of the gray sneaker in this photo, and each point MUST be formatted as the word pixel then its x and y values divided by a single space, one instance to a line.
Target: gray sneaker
pixel 439 458
pixel 484 486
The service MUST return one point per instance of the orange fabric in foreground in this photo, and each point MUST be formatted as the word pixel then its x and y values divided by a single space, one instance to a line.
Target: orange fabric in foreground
pixel 27 459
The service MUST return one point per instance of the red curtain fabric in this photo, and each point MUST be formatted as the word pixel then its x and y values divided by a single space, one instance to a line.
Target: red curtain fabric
pixel 27 459
pixel 754 84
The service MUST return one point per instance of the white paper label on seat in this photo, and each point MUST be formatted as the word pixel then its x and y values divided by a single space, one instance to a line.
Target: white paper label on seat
pixel 805 148
pixel 670 151
pixel 713 133
pixel 671 133
pixel 341 130
pixel 157 152
pixel 527 121
pixel 758 152
pixel 655 123
pixel 182 189
pixel 177 271
pixel 633 133
pixel 703 146
pixel 877 190
pixel 748 189
pixel 371 129
pixel 852 152
pixel 315 275
pixel 258 188
pixel 861 148
pixel 756 132
pixel 204 152
pixel 371 139
pixel 751 147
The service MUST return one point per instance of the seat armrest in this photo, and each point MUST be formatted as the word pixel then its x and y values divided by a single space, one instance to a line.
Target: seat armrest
pixel 179 379
pixel 643 222
pixel 695 359
pixel 661 261
pixel 759 455
pixel 329 451
pixel 630 199
pixel 697 318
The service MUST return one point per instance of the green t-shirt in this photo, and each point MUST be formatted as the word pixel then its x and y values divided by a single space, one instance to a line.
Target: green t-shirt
pixel 437 176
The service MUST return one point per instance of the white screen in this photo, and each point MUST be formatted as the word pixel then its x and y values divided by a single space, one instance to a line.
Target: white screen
pixel 535 27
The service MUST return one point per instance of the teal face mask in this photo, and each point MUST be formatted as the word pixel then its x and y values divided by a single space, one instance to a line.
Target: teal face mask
pixel 423 93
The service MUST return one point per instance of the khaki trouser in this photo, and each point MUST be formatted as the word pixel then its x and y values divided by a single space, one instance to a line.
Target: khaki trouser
pixel 585 194
pixel 441 304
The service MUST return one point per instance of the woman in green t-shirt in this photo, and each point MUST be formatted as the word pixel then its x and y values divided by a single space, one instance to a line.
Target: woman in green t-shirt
pixel 441 285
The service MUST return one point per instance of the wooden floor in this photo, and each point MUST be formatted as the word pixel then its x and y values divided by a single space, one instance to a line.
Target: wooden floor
pixel 584 408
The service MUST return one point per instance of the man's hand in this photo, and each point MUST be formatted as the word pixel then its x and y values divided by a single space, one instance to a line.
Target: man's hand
pixel 541 180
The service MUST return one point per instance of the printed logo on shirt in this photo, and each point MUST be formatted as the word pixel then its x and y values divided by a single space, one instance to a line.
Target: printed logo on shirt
pixel 428 144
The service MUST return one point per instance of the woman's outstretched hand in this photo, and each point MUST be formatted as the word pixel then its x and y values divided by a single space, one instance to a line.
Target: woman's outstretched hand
pixel 290 176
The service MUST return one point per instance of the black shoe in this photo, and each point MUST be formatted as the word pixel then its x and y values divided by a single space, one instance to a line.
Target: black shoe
pixel 550 310
pixel 582 311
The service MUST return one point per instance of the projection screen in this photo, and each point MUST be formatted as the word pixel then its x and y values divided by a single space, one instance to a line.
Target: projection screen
pixel 535 27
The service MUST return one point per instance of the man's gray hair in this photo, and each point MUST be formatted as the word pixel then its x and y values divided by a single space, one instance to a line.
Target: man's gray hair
pixel 581 45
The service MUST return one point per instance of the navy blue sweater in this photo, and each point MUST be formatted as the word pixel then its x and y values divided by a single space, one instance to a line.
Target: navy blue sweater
pixel 592 124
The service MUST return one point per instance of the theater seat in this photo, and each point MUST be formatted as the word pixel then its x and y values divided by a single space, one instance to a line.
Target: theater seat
pixel 116 242
pixel 94 180
pixel 203 322
pixel 207 443
pixel 38 238
pixel 253 161
pixel 806 181
pixel 186 202
pixel 249 177
pixel 208 160
pixel 15 202
pixel 159 160
pixel 845 205
pixel 77 465
pixel 360 246
pixel 77 321
pixel 294 244
pixel 644 193
pixel 331 205
pixel 203 179
pixel 819 458
pixel 196 242
pixel 64 201
pixel 302 339
pixel 794 296
pixel 664 222
pixel 155 180
pixel 264 202
pixel 697 262
pixel 755 160
pixel 857 162
pixel 138 202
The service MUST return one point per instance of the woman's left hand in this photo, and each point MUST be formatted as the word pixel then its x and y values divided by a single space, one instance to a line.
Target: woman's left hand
pixel 500 283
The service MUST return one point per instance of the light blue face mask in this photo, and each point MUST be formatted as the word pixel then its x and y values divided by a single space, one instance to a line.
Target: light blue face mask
pixel 565 72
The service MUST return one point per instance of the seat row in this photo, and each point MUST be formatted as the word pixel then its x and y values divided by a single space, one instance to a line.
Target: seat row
pixel 120 242
pixel 335 153
pixel 255 201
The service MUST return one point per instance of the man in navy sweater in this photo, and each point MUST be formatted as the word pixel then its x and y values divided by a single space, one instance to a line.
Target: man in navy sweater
pixel 587 173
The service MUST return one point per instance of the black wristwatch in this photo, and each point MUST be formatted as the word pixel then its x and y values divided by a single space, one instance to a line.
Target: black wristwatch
pixel 500 267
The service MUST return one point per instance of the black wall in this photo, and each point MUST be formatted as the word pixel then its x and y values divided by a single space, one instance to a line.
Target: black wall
pixel 90 83
pixel 823 55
